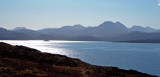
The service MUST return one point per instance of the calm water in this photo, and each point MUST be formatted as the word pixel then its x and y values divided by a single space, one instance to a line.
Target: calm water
pixel 144 57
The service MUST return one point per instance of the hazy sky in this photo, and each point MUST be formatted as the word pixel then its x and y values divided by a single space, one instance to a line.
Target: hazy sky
pixel 38 14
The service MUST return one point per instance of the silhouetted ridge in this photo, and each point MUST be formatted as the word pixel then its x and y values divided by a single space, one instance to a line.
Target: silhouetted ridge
pixel 142 29
pixel 19 28
pixel 106 23
pixel 107 31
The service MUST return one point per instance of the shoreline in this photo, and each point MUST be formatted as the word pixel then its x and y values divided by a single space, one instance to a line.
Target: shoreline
pixel 134 41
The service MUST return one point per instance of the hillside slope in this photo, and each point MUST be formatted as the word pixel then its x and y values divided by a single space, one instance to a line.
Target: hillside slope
pixel 20 61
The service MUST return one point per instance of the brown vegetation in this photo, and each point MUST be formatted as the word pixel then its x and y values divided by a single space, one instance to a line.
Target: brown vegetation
pixel 20 61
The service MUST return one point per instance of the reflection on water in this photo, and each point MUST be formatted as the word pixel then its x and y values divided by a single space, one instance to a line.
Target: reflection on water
pixel 54 47
pixel 143 57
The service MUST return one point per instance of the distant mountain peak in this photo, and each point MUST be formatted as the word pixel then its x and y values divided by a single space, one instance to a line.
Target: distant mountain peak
pixel 78 25
pixel 74 27
pixel 108 22
pixel 118 23
pixel 142 29
pixel 20 28
pixel 149 28
pixel 112 25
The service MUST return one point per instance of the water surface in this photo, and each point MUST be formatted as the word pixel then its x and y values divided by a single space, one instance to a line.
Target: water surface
pixel 143 57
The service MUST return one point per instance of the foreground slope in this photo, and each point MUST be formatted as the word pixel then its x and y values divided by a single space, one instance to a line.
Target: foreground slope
pixel 20 61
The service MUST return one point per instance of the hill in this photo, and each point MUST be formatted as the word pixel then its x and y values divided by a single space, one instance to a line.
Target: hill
pixel 20 61
pixel 107 31
pixel 142 29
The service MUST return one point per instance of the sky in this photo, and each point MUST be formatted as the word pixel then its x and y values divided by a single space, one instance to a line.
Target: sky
pixel 38 14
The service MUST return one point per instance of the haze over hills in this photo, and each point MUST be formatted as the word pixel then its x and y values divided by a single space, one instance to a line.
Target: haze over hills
pixel 142 29
pixel 8 35
pixel 107 31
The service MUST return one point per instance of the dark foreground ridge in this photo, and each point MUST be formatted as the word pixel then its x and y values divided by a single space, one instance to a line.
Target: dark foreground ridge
pixel 20 61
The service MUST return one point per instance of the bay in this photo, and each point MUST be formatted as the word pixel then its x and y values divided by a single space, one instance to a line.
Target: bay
pixel 143 57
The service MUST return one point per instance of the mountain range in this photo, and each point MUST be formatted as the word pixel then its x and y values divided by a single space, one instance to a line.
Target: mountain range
pixel 107 31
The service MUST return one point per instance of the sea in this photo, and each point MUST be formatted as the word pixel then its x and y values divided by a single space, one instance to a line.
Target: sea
pixel 143 57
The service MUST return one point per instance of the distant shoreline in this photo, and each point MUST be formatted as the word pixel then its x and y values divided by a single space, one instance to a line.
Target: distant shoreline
pixel 132 41
pixel 140 41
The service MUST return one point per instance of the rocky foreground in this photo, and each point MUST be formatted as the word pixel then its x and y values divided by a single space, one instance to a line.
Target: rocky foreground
pixel 20 61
